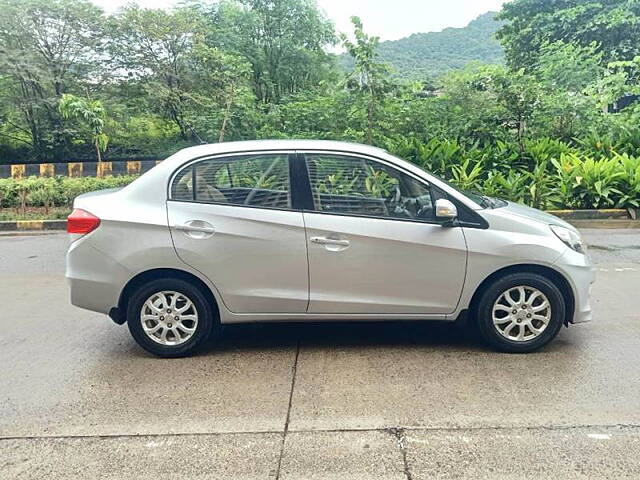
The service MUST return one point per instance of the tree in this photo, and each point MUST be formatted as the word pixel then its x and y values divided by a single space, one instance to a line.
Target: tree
pixel 369 78
pixel 89 112
pixel 219 85
pixel 284 41
pixel 491 103
pixel 154 47
pixel 568 74
pixel 613 25
pixel 46 48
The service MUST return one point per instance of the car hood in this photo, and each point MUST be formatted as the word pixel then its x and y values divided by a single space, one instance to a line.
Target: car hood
pixel 535 214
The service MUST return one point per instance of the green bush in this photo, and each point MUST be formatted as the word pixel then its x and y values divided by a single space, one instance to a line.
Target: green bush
pixel 53 192
pixel 545 174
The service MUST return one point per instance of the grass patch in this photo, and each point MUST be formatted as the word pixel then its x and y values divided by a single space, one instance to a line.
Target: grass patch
pixel 34 213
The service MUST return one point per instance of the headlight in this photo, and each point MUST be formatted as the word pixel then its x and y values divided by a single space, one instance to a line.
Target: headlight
pixel 570 238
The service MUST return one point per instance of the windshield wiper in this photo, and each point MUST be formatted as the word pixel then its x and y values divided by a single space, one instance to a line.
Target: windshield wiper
pixel 488 202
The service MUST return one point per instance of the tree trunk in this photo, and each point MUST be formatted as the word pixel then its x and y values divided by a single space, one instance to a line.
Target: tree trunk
pixel 227 114
pixel 371 118
pixel 97 144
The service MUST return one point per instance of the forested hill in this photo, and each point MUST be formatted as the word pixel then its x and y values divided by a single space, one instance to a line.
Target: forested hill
pixel 427 55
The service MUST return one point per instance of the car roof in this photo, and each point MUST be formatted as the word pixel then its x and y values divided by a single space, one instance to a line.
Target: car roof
pixel 253 145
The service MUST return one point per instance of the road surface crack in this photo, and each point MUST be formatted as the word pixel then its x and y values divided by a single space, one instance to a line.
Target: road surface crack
pixel 401 441
pixel 286 423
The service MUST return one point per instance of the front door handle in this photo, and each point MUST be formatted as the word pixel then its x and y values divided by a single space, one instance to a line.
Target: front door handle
pixel 330 241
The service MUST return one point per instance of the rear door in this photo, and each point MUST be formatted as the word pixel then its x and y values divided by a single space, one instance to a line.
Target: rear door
pixel 374 244
pixel 232 219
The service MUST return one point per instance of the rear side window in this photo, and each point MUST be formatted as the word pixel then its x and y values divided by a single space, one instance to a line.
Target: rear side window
pixel 359 186
pixel 257 180
pixel 182 187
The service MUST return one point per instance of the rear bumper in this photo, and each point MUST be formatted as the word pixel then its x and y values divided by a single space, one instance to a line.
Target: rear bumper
pixel 93 277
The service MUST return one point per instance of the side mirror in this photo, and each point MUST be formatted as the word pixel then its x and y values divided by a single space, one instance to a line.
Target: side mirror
pixel 446 211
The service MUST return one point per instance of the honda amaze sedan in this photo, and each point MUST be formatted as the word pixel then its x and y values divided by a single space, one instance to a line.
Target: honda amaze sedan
pixel 276 231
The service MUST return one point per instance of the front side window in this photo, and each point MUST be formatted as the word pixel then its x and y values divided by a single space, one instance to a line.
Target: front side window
pixel 257 181
pixel 359 186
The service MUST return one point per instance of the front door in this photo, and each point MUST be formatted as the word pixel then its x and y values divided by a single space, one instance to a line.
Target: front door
pixel 374 245
pixel 231 218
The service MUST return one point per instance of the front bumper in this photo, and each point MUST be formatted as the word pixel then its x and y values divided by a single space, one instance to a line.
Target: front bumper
pixel 581 274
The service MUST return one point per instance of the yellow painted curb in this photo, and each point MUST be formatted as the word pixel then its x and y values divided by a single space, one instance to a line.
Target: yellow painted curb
pixel 104 169
pixel 47 170
pixel 75 169
pixel 30 225
pixel 133 167
pixel 18 171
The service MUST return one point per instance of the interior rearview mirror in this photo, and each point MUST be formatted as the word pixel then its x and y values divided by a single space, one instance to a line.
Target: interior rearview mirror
pixel 445 210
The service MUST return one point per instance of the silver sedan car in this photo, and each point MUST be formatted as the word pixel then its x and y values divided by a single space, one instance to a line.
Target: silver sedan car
pixel 277 231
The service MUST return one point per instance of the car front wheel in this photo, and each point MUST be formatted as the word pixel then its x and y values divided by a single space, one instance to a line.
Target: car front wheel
pixel 521 312
pixel 170 317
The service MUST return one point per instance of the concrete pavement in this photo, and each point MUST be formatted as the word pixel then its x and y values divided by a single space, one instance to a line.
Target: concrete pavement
pixel 78 398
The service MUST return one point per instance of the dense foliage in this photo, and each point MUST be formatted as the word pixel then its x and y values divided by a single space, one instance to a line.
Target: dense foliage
pixel 612 25
pixel 548 175
pixel 76 83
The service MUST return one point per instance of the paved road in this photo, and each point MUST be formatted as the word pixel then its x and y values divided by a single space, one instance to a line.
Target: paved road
pixel 78 399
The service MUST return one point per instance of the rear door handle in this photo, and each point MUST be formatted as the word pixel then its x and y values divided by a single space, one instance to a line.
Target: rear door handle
pixel 197 229
pixel 330 241
pixel 194 228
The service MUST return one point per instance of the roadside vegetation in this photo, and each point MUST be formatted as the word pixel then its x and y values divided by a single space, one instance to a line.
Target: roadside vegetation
pixel 556 125
pixel 49 198
pixel 34 213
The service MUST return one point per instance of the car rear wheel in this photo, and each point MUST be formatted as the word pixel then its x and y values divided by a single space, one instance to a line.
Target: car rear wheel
pixel 521 312
pixel 170 317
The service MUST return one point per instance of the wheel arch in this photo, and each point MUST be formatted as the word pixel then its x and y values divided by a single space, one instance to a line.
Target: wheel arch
pixel 118 314
pixel 556 277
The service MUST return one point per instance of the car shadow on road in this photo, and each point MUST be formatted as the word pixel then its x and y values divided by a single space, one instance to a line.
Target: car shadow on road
pixel 441 335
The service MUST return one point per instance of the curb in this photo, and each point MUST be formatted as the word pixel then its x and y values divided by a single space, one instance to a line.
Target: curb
pixel 608 223
pixel 33 225
pixel 603 214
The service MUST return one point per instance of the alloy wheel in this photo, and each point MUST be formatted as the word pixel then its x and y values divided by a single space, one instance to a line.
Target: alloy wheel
pixel 521 313
pixel 169 318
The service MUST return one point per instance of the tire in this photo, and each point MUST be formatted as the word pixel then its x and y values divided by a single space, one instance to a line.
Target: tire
pixel 528 321
pixel 183 337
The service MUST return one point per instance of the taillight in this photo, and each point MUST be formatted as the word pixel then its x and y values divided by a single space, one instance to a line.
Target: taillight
pixel 81 221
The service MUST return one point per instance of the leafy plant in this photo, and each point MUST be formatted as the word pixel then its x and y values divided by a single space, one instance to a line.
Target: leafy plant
pixel 379 183
pixel 337 184
pixel 467 176
pixel 514 186
pixel 89 112
pixel 540 186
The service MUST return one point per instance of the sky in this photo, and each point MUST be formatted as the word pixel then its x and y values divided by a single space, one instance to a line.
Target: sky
pixel 387 19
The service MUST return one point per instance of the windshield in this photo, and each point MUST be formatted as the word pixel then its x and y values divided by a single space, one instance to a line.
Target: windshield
pixel 481 200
